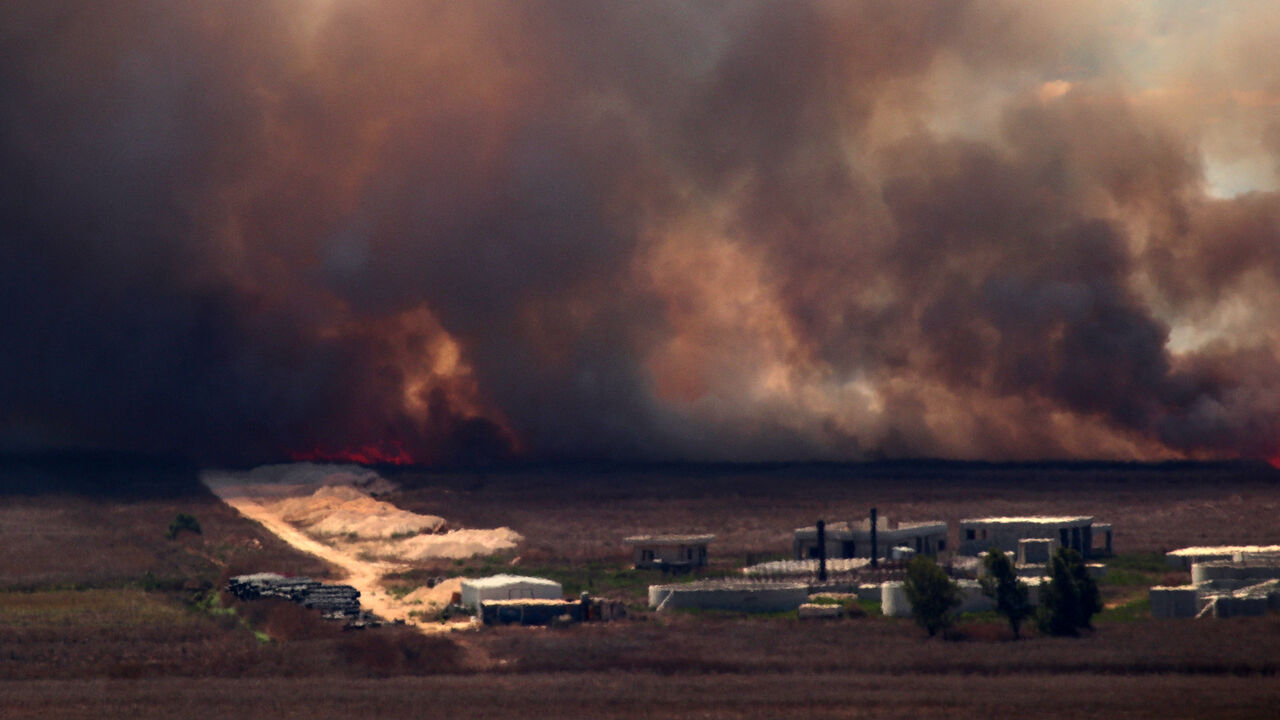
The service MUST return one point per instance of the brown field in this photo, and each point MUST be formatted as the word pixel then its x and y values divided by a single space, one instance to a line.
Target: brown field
pixel 102 616
pixel 584 514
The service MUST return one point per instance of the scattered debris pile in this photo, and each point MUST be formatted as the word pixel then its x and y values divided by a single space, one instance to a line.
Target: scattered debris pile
pixel 335 602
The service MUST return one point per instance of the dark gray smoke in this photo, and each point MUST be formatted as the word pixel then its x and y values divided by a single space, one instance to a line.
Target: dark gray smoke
pixel 460 231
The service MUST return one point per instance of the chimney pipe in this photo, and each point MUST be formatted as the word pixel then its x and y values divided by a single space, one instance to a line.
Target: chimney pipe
pixel 874 548
pixel 822 551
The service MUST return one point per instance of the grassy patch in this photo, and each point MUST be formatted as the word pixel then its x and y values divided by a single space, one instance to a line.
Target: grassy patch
pixel 1136 608
pixel 1138 562
pixel 871 607
pixel 113 607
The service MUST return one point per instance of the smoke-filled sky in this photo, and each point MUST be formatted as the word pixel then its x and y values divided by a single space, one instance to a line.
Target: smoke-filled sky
pixel 702 230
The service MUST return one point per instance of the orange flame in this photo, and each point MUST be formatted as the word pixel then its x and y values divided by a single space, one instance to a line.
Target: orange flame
pixel 1275 461
pixel 390 452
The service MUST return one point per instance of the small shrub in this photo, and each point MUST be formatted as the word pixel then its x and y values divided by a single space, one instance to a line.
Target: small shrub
pixel 183 521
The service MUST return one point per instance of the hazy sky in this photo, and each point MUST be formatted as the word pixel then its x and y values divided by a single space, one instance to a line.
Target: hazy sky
pixel 735 230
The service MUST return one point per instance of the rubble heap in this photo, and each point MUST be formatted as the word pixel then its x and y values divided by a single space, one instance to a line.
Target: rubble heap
pixel 337 602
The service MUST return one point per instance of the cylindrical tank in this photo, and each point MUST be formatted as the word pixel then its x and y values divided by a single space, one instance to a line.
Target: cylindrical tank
pixel 893 599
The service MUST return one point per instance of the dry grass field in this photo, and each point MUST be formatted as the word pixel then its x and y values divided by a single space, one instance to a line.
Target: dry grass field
pixel 580 514
pixel 102 616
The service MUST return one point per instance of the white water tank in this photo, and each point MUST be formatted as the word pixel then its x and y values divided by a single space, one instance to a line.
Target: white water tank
pixel 893 599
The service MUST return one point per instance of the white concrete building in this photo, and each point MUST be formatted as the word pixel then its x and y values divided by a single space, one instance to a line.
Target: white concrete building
pixel 508 587
pixel 978 535
pixel 669 551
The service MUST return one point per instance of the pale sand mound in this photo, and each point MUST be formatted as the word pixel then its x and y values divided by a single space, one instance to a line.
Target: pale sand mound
pixel 293 479
pixel 453 545
pixel 332 503
pixel 344 510
pixel 438 596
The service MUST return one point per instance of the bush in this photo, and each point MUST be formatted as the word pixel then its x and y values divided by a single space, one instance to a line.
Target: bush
pixel 1071 598
pixel 933 595
pixel 1002 584
pixel 183 521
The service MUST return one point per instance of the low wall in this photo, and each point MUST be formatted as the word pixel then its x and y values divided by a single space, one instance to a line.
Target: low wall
pixel 741 598
pixel 1175 602
pixel 529 612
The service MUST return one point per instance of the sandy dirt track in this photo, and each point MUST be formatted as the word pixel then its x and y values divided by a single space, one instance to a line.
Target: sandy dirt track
pixel 268 495
pixel 363 575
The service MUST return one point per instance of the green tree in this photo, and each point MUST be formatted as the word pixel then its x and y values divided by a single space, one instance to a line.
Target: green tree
pixel 933 595
pixel 1002 584
pixel 1070 599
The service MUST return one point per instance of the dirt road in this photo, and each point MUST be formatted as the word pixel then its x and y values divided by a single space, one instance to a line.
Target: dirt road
pixel 364 575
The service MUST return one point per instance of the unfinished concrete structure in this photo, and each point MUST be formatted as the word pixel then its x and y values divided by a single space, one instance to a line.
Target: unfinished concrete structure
pixel 737 595
pixel 507 587
pixel 1249 585
pixel 1035 551
pixel 854 539
pixel 673 552
pixel 978 535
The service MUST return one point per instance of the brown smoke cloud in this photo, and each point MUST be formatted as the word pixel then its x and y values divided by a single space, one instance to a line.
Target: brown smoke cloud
pixel 743 230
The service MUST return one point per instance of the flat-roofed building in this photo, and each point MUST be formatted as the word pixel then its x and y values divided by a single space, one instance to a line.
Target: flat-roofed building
pixel 978 535
pixel 669 551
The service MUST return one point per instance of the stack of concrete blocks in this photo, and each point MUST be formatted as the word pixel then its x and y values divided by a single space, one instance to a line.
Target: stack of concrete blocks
pixel 335 602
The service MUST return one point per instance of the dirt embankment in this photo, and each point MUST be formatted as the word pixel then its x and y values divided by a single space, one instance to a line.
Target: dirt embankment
pixel 333 512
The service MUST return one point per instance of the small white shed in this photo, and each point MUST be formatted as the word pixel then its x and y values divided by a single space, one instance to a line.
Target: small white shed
pixel 508 587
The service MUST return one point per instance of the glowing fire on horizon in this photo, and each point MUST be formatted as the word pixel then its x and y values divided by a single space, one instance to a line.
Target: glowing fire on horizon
pixel 384 453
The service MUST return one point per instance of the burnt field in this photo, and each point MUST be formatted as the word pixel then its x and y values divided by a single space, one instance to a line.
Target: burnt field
pixel 102 615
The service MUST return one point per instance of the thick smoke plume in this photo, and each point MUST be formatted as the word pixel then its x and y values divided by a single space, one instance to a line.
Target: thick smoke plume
pixel 443 231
